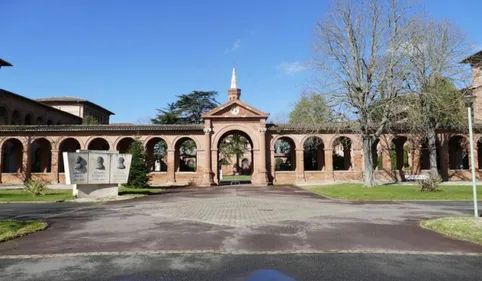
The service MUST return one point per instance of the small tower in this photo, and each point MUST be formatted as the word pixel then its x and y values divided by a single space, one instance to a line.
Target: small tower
pixel 475 62
pixel 234 93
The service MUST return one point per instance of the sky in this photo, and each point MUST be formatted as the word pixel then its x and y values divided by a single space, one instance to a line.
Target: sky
pixel 135 56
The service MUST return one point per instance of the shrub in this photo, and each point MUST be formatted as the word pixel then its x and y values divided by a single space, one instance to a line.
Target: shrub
pixel 35 187
pixel 430 184
pixel 139 172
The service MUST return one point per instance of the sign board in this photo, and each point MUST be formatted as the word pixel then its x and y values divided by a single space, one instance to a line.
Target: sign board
pixel 416 177
pixel 96 167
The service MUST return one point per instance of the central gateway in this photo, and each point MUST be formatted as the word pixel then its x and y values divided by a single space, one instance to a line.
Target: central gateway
pixel 235 116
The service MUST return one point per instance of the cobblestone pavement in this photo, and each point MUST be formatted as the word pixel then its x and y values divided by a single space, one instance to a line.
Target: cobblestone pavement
pixel 241 219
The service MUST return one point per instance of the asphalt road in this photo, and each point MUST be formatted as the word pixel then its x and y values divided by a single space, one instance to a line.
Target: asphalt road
pixel 232 219
pixel 29 211
pixel 243 231
pixel 212 267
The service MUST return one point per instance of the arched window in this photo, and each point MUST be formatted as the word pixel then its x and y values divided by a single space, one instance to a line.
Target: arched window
pixel 98 144
pixel 156 151
pixel 342 154
pixel 285 154
pixel 314 154
pixel 186 155
pixel 67 145
pixel 41 154
pixel 12 150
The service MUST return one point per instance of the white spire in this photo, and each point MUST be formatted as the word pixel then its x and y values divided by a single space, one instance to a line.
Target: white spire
pixel 234 82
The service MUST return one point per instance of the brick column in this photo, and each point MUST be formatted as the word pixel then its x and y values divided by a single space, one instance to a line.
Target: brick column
pixel 357 163
pixel 386 160
pixel 54 165
pixel 300 166
pixel 26 163
pixel 263 177
pixel 208 173
pixel 329 160
pixel 329 164
pixel 272 164
pixel 416 154
pixel 171 166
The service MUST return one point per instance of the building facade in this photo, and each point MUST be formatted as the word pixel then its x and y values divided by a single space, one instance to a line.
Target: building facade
pixel 79 107
pixel 34 151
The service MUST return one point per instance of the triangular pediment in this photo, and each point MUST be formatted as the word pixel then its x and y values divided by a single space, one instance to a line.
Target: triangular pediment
pixel 235 109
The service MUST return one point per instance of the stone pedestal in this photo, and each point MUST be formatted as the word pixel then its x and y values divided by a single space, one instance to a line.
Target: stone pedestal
pixel 96 173
pixel 95 190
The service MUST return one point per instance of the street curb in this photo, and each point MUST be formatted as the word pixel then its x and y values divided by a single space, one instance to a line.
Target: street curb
pixel 215 252
pixel 32 202
pixel 385 200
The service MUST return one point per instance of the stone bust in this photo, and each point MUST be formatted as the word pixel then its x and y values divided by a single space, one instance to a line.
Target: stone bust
pixel 100 163
pixel 78 163
pixel 120 163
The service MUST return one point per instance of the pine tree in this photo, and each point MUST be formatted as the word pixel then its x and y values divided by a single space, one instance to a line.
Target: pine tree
pixel 139 173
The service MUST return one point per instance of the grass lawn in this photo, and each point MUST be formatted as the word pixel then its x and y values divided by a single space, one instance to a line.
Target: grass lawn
pixel 238 178
pixel 10 229
pixel 463 228
pixel 12 195
pixel 140 191
pixel 394 192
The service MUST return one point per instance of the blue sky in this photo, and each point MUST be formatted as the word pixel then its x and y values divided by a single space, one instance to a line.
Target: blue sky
pixel 135 56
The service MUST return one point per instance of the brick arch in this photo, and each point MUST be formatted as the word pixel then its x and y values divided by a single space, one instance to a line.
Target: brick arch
pixel 51 140
pixel 273 141
pixel 169 144
pixel 32 118
pixel 19 117
pixel 306 137
pixel 119 139
pixel 236 127
pixel 457 161
pixel 5 140
pixel 7 113
pixel 467 137
pixel 41 155
pixel 332 140
pixel 12 162
pixel 60 140
pixel 39 120
pixel 178 164
pixel 89 140
pixel 177 138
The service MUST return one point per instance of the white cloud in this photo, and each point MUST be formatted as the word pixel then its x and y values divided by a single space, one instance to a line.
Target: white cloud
pixel 236 45
pixel 291 67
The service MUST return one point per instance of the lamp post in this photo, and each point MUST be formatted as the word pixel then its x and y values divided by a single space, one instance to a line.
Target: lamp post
pixel 469 101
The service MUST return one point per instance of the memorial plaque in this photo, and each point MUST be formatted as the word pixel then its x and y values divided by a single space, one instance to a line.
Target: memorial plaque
pixel 99 168
pixel 76 167
pixel 120 165
pixel 96 167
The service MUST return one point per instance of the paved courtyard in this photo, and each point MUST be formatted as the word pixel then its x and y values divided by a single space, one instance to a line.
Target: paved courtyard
pixel 235 219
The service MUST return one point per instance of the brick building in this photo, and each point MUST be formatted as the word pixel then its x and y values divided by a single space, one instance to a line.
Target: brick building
pixel 34 133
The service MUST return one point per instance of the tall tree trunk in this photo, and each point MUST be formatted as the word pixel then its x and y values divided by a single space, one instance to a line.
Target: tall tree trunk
pixel 369 174
pixel 237 164
pixel 432 149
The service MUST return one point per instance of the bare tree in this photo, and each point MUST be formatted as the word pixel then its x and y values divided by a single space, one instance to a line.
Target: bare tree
pixel 358 54
pixel 144 120
pixel 435 50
